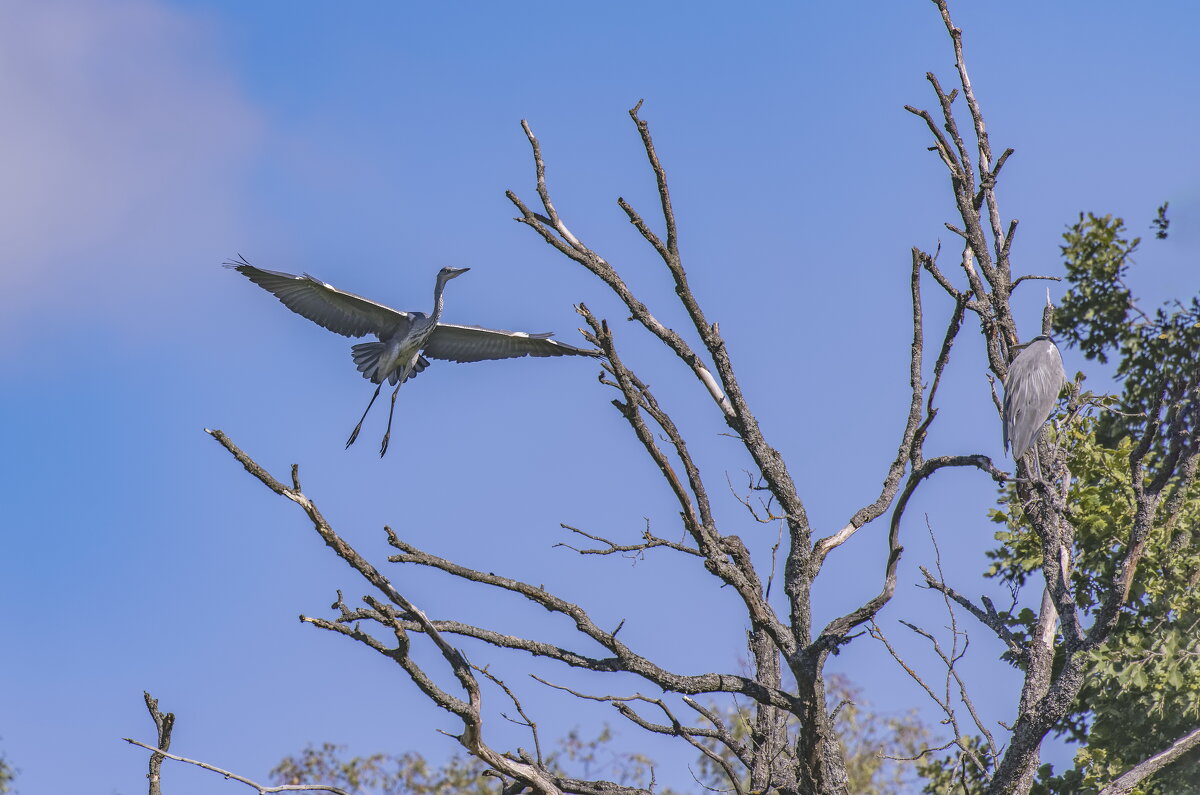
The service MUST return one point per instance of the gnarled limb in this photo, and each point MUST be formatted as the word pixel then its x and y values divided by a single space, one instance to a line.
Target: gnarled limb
pixel 400 616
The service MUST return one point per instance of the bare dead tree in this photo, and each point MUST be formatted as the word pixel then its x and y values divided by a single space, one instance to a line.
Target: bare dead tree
pixel 792 745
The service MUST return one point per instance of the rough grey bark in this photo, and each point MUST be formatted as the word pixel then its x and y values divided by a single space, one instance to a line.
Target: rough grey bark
pixel 164 724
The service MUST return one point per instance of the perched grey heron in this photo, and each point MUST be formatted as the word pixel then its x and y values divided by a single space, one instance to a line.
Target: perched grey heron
pixel 405 338
pixel 1035 378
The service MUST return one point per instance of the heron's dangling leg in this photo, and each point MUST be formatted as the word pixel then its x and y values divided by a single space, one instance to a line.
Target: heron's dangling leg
pixel 357 428
pixel 387 435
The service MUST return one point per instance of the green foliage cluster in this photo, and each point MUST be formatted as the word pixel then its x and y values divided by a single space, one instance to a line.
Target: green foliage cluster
pixel 1093 315
pixel 1101 505
pixel 1142 689
pixel 1099 315
pixel 7 774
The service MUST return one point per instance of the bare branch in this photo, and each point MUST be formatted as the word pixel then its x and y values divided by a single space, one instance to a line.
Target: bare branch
pixel 723 388
pixel 537 743
pixel 944 703
pixel 966 173
pixel 407 618
pixel 660 178
pixel 941 279
pixel 837 630
pixel 986 615
pixel 941 145
pixel 570 246
pixel 905 450
pixel 675 729
pixel 972 194
pixel 725 556
pixel 624 659
pixel 649 541
pixel 1020 279
pixel 365 569
pixel 955 656
pixel 544 193
pixel 939 366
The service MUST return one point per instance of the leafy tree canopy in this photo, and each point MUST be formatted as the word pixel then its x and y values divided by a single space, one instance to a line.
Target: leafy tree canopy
pixel 1099 315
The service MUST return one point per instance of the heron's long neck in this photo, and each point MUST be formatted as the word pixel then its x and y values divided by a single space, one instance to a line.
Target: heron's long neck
pixel 437 300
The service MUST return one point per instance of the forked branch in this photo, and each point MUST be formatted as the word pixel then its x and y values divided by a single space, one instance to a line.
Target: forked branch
pixel 401 616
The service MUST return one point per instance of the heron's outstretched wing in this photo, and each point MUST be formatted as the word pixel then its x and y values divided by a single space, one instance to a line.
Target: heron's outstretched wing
pixel 341 312
pixel 474 344
pixel 1034 380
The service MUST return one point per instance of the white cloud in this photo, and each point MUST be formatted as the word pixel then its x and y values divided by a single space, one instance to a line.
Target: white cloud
pixel 123 143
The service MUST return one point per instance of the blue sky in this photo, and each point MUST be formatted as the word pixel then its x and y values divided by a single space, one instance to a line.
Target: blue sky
pixel 145 142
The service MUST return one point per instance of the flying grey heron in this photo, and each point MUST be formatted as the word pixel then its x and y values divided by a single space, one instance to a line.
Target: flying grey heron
pixel 1035 378
pixel 405 338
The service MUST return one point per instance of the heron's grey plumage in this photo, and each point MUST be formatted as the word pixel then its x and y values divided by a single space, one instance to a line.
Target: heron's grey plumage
pixel 342 313
pixel 406 339
pixel 1031 389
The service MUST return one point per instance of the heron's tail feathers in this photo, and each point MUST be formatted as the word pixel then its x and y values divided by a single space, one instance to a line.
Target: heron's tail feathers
pixel 422 363
pixel 366 357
